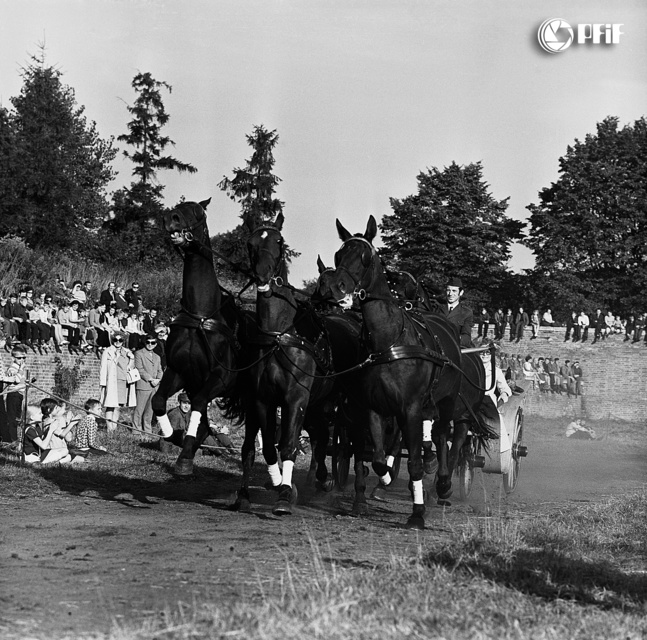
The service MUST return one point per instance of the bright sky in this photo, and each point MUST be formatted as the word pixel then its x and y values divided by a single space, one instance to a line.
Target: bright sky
pixel 364 94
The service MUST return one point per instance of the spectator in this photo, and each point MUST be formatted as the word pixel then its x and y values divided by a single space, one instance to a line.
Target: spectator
pixel 9 328
pixel 618 325
pixel 520 322
pixel 96 322
pixel 87 288
pixel 598 326
pixel 41 327
pixel 77 293
pixel 179 418
pixel 37 447
pixel 29 298
pixel 108 296
pixel 134 330
pixel 630 327
pixel 553 371
pixel 577 430
pixel 69 320
pixel 499 324
pixel 133 297
pixel 149 365
pixel 17 313
pixel 583 324
pixel 509 322
pixel 111 321
pixel 85 441
pixel 567 378
pixel 558 376
pixel 121 302
pixel 52 311
pixel 16 382
pixel 483 324
pixel 547 319
pixel 161 331
pixel 639 327
pixel 150 321
pixel 116 390
pixel 543 376
pixel 571 328
pixel 529 372
pixel 534 323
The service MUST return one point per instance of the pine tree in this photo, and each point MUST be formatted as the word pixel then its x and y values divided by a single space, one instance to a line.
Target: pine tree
pixel 137 209
pixel 59 167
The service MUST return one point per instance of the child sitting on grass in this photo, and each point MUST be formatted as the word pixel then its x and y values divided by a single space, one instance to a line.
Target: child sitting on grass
pixel 85 441
pixel 44 438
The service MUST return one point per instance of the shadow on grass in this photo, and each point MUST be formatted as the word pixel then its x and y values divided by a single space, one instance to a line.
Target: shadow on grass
pixel 551 575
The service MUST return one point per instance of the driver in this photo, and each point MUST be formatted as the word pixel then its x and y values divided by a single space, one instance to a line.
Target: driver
pixel 456 312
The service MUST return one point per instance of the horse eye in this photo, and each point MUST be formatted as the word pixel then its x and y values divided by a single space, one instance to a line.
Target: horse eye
pixel 366 258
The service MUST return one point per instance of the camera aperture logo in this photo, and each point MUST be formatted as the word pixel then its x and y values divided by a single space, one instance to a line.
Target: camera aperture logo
pixel 556 35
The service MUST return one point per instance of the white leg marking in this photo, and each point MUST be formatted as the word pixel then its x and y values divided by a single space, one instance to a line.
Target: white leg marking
pixel 194 421
pixel 426 430
pixel 417 492
pixel 165 426
pixel 275 474
pixel 389 461
pixel 288 465
pixel 385 479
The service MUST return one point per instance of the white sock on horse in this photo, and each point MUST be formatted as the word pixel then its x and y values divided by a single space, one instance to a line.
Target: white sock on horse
pixel 275 474
pixel 165 426
pixel 386 479
pixel 426 430
pixel 418 495
pixel 288 465
pixel 194 423
pixel 389 461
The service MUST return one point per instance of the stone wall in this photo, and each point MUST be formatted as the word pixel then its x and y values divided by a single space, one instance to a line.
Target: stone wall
pixel 614 374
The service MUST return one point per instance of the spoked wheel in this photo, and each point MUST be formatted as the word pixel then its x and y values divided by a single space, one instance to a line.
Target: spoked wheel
pixel 466 470
pixel 518 451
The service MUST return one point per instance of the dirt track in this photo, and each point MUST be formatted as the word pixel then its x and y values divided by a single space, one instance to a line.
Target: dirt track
pixel 76 564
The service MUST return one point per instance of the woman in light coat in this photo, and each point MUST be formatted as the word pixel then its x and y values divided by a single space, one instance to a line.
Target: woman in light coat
pixel 116 392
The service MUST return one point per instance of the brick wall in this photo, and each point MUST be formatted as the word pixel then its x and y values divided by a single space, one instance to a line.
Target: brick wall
pixel 614 374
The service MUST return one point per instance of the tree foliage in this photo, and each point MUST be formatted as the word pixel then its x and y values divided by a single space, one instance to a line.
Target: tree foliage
pixel 137 209
pixel 253 188
pixel 589 229
pixel 452 226
pixel 54 166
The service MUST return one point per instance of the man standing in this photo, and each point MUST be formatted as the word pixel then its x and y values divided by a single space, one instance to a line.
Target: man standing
pixel 499 324
pixel 484 324
pixel 577 377
pixel 583 323
pixel 598 326
pixel 149 365
pixel 456 312
pixel 521 321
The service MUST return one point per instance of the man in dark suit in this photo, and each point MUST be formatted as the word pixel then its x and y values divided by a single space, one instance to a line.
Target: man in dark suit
pixel 456 312
pixel 149 365
pixel 521 321
pixel 598 325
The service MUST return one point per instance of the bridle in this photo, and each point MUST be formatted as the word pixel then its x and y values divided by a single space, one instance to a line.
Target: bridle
pixel 360 291
pixel 275 278
pixel 187 230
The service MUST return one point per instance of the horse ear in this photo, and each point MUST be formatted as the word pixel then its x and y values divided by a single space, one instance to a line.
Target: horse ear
pixel 205 203
pixel 371 229
pixel 320 265
pixel 278 223
pixel 344 234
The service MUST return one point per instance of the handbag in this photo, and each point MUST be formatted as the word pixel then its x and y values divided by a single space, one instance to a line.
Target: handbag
pixel 132 375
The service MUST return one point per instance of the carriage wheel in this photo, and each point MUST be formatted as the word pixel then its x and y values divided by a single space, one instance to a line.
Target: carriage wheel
pixel 518 451
pixel 343 469
pixel 466 470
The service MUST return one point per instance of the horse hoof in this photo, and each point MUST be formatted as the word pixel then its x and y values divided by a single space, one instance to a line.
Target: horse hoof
pixel 270 487
pixel 415 522
pixel 283 506
pixel 183 467
pixel 326 486
pixel 360 509
pixel 379 493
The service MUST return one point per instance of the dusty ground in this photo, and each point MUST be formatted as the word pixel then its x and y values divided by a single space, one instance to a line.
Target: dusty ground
pixel 72 566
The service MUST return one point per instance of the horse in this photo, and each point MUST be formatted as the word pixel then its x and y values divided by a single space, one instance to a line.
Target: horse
pixel 202 348
pixel 415 364
pixel 287 362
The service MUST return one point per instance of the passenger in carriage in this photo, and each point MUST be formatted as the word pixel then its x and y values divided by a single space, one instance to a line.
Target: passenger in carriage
pixel 498 394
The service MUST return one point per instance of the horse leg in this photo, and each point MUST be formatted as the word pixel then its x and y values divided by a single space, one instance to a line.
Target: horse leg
pixel 411 428
pixel 170 383
pixel 292 416
pixel 440 437
pixel 461 428
pixel 319 436
pixel 358 443
pixel 248 455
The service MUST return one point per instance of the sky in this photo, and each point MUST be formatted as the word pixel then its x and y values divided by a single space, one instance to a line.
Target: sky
pixel 364 94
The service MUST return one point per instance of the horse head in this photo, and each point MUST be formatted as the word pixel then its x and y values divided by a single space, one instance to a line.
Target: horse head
pixel 187 224
pixel 266 255
pixel 358 268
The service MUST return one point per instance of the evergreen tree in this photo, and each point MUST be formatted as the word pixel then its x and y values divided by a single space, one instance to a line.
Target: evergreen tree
pixel 55 167
pixel 253 187
pixel 137 209
pixel 589 230
pixel 452 226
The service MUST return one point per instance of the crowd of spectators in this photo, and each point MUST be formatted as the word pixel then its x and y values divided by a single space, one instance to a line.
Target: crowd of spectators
pixel 579 326
pixel 546 374
pixel 77 318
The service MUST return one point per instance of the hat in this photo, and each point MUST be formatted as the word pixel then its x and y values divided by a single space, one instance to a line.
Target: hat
pixel 183 398
pixel 455 282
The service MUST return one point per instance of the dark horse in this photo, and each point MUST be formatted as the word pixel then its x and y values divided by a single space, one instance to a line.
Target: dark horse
pixel 415 368
pixel 201 348
pixel 286 367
